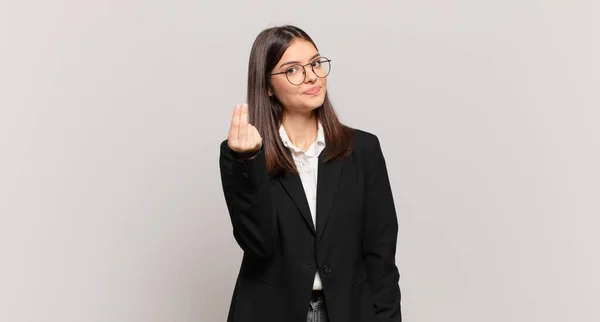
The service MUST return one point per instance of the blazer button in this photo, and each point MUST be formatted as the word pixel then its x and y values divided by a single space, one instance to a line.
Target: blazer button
pixel 327 269
pixel 245 174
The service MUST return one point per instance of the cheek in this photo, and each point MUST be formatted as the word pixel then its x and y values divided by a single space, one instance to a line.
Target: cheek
pixel 285 91
pixel 323 82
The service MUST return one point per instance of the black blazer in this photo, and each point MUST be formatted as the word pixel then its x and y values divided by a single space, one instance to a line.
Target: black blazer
pixel 353 246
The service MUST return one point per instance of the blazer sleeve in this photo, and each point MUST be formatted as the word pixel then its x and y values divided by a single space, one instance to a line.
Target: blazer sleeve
pixel 247 194
pixel 380 236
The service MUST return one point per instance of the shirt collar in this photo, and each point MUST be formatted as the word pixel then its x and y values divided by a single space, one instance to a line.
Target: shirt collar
pixel 320 141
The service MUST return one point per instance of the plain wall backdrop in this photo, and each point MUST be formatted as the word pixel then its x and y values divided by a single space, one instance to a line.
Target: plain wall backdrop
pixel 111 115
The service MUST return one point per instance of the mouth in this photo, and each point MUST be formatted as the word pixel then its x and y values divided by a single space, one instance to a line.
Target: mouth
pixel 313 91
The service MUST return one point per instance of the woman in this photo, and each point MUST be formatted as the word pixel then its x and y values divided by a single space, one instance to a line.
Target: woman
pixel 309 198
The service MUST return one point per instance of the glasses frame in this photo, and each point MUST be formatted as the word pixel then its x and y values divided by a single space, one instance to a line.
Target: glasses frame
pixel 304 70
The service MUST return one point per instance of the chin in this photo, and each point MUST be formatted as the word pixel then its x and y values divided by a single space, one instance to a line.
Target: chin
pixel 316 101
pixel 314 105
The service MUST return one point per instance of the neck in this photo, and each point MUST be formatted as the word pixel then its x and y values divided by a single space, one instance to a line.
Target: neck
pixel 301 128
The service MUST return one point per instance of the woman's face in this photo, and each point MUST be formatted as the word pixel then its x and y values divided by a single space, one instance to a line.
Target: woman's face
pixel 306 96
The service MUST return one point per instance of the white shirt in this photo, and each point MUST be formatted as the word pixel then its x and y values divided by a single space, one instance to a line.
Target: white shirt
pixel 308 166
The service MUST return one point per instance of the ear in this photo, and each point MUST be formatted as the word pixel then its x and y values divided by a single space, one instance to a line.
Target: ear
pixel 269 92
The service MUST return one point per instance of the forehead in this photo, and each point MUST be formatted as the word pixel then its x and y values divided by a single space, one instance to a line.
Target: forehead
pixel 300 50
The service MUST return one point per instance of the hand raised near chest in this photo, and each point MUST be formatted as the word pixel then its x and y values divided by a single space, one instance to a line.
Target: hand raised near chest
pixel 243 137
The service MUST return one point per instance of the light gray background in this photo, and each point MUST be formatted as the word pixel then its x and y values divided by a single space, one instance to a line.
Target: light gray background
pixel 112 113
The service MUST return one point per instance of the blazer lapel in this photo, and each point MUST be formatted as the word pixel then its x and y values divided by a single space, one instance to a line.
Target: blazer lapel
pixel 293 185
pixel 327 185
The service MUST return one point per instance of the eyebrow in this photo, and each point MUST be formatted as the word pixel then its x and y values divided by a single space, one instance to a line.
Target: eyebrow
pixel 297 62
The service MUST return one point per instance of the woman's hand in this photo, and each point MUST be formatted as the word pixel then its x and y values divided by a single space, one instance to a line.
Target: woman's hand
pixel 243 137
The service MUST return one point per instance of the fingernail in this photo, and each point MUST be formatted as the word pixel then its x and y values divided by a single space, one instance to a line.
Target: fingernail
pixel 237 107
pixel 245 105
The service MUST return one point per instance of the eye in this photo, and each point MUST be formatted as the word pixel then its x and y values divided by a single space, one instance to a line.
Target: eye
pixel 316 63
pixel 292 70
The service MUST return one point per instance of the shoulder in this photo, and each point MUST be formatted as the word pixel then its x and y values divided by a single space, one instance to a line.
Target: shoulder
pixel 364 142
pixel 367 151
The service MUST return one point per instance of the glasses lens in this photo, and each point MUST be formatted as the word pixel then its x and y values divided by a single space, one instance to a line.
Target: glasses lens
pixel 322 67
pixel 295 74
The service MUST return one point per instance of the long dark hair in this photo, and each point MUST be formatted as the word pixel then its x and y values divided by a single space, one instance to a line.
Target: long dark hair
pixel 266 112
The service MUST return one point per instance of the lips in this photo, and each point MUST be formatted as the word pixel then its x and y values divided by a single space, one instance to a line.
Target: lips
pixel 313 91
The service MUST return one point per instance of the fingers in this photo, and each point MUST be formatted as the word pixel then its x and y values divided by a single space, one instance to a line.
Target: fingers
pixel 244 116
pixel 235 123
pixel 250 136
pixel 243 127
pixel 243 136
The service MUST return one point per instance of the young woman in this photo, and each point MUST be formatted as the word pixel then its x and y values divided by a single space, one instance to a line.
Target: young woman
pixel 309 198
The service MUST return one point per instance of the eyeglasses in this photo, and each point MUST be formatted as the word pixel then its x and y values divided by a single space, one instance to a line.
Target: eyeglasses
pixel 296 74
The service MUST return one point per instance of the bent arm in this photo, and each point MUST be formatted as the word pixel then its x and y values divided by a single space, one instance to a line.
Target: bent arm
pixel 248 197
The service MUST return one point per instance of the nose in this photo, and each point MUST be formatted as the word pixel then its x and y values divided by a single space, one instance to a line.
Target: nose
pixel 311 77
